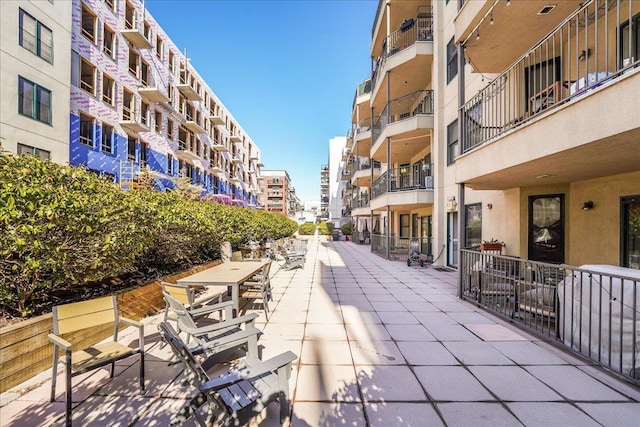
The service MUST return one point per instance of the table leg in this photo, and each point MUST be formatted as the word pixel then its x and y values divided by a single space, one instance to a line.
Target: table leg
pixel 235 298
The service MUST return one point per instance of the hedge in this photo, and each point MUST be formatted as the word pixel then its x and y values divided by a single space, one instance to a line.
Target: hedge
pixel 62 227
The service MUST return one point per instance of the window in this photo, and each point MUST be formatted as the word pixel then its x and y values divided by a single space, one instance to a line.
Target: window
pixel 171 60
pixel 87 77
pixel 144 113
pixel 89 24
pixel 144 73
pixel 169 164
pixel 128 105
pixel 131 148
pixel 143 152
pixel 34 101
pixel 108 42
pixel 35 37
pixel 147 31
pixel 170 129
pixel 630 46
pixel 159 48
pixel 404 226
pixel 28 150
pixel 129 17
pixel 473 225
pixel 452 142
pixel 111 4
pixel 630 229
pixel 133 62
pixel 86 130
pixel 158 121
pixel 452 60
pixel 107 138
pixel 108 89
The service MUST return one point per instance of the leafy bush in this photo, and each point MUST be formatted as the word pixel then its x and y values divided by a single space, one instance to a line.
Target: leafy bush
pixel 307 229
pixel 347 229
pixel 325 228
pixel 62 227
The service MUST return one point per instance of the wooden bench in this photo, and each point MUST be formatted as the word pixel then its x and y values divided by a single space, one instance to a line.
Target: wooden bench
pixel 84 315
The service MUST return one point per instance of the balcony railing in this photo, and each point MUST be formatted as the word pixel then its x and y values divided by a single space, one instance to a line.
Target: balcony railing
pixel 400 248
pixel 362 89
pixel 588 49
pixel 593 311
pixel 411 31
pixel 404 107
pixel 362 125
pixel 361 201
pixel 415 177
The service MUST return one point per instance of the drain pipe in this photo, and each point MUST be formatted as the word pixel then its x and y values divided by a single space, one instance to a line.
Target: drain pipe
pixel 461 141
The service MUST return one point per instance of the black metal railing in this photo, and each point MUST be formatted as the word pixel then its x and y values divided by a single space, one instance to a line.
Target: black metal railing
pixel 404 107
pixel 418 176
pixel 360 201
pixel 401 248
pixel 563 66
pixel 594 310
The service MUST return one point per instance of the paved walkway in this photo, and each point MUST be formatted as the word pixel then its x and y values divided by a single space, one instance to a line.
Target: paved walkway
pixel 379 344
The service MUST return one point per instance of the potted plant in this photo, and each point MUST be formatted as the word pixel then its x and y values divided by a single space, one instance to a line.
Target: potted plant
pixel 491 245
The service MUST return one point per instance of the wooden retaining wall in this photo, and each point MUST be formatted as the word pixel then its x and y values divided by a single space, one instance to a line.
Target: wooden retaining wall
pixel 25 350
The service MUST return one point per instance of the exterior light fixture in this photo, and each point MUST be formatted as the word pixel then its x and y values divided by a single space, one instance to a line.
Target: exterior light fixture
pixel 588 205
pixel 491 21
pixel 508 2
pixel 478 35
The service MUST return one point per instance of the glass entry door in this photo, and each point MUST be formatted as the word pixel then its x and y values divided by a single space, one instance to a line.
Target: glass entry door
pixel 546 228
pixel 630 228
pixel 452 239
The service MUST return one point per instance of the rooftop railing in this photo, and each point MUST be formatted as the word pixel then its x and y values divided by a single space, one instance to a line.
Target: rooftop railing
pixel 588 49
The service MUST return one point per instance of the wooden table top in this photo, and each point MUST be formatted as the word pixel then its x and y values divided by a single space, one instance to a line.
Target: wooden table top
pixel 232 272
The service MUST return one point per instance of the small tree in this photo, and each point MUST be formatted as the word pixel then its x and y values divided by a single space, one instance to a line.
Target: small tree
pixel 347 229
pixel 183 186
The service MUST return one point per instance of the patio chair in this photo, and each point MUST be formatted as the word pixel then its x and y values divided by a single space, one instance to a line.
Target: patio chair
pixel 291 260
pixel 77 316
pixel 259 287
pixel 186 294
pixel 209 332
pixel 237 396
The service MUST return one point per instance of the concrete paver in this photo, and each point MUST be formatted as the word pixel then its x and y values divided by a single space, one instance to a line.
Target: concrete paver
pixel 379 344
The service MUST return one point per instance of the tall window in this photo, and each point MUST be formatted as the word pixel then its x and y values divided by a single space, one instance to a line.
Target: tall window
pixel 128 105
pixel 159 44
pixel 88 77
pixel 170 129
pixel 158 121
pixel 28 150
pixel 86 129
pixel 143 152
pixel 107 138
pixel 35 37
pixel 473 225
pixel 169 164
pixel 171 60
pixel 111 4
pixel 133 62
pixel 89 24
pixel 34 101
pixel 452 60
pixel 108 90
pixel 144 73
pixel 452 142
pixel 131 148
pixel 630 228
pixel 109 42
pixel 144 113
pixel 630 41
pixel 404 226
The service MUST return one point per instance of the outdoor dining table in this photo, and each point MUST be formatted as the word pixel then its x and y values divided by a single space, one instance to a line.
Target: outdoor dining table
pixel 228 274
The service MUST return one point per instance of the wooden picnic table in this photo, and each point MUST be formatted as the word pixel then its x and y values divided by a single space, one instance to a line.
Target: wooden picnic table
pixel 228 274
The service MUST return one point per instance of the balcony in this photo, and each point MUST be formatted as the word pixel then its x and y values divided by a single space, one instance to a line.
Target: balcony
pixel 193 126
pixel 235 138
pixel 362 175
pixel 188 91
pixel 554 94
pixel 135 37
pixel 150 91
pixel 217 145
pixel 133 121
pixel 213 168
pixel 403 188
pixel 186 151
pixel 216 119
pixel 404 115
pixel 236 159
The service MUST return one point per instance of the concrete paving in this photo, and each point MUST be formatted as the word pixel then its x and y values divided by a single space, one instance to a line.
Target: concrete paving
pixel 378 344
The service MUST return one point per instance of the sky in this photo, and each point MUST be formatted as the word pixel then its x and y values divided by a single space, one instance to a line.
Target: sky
pixel 287 70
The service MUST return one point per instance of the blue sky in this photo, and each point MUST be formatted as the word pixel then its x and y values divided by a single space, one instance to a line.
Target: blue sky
pixel 286 70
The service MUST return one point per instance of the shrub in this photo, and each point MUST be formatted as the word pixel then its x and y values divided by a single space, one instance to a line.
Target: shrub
pixel 325 228
pixel 347 229
pixel 307 229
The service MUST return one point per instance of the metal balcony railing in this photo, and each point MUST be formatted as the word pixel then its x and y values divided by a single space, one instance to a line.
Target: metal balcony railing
pixel 588 49
pixel 362 125
pixel 593 312
pixel 415 177
pixel 361 201
pixel 404 107
pixel 411 31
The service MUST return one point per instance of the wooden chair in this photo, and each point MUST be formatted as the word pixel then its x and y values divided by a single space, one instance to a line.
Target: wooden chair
pixel 207 332
pixel 77 316
pixel 236 256
pixel 259 287
pixel 291 260
pixel 186 294
pixel 239 395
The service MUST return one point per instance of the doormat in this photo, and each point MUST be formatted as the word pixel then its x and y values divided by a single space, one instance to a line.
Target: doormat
pixel 446 270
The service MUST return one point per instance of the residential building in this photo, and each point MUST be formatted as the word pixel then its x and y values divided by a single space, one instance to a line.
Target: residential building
pixel 337 186
pixel 473 135
pixel 35 48
pixel 324 193
pixel 135 102
pixel 278 194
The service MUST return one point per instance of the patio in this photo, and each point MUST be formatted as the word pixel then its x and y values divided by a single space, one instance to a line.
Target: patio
pixel 378 344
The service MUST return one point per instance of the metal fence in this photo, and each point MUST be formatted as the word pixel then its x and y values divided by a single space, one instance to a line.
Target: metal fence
pixel 591 47
pixel 593 311
pixel 400 247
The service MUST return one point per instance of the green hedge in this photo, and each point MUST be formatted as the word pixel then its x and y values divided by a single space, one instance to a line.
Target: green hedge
pixel 61 227
pixel 307 229
pixel 325 228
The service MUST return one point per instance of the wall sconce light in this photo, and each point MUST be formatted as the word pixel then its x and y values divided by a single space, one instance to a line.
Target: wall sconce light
pixel 452 205
pixel 489 206
pixel 584 54
pixel 588 205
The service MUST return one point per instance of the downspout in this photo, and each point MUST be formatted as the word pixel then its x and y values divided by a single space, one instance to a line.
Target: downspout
pixel 388 167
pixel 461 140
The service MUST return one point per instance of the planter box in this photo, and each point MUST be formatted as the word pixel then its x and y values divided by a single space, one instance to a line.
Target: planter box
pixel 25 350
pixel 491 247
